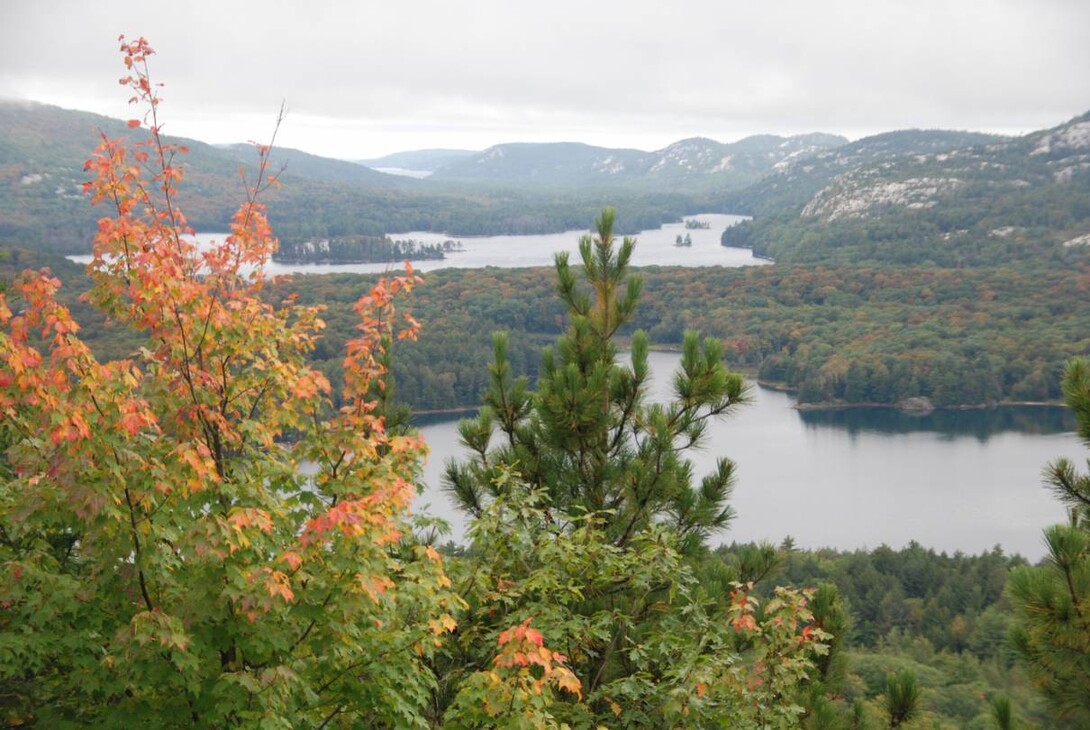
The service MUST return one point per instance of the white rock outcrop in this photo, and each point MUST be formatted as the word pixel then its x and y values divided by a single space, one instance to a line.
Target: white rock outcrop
pixel 849 198
pixel 1072 137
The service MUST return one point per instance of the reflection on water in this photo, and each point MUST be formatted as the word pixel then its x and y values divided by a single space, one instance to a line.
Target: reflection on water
pixel 423 420
pixel 981 423
pixel 965 480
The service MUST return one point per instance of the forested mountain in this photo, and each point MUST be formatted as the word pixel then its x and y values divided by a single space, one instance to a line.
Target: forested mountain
pixel 420 160
pixel 1001 201
pixel 835 335
pixel 696 164
pixel 42 154
pixel 915 197
pixel 47 140
pixel 42 207
pixel 299 164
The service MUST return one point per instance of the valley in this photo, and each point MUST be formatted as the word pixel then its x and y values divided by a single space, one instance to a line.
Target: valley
pixel 861 279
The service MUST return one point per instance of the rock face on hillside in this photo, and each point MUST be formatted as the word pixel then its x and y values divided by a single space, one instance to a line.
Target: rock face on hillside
pixel 922 180
pixel 796 180
pixel 695 163
pixel 932 198
pixel 1072 137
pixel 850 197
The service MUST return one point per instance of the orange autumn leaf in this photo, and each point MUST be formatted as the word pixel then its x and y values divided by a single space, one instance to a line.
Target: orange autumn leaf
pixel 745 623
pixel 278 585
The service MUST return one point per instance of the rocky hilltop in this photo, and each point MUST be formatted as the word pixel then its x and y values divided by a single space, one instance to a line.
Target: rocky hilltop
pixel 697 163
pixel 990 201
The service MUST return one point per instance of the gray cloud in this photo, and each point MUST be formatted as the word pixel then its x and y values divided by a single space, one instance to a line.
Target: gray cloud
pixel 638 70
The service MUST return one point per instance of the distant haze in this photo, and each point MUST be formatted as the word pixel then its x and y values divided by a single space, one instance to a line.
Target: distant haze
pixel 362 80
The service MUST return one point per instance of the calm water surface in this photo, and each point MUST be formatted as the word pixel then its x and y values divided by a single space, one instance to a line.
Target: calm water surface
pixel 857 479
pixel 654 248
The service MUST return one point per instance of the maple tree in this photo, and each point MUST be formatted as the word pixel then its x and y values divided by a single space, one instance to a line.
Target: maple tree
pixel 518 690
pixel 164 555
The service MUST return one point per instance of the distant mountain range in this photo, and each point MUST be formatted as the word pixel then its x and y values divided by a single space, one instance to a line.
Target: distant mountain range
pixel 43 150
pixel 417 160
pixel 694 165
pixel 912 195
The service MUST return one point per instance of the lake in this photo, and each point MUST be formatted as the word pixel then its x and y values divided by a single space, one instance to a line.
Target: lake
pixel 958 480
pixel 654 248
pixel 847 479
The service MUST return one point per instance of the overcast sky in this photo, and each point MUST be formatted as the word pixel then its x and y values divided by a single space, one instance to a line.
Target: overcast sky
pixel 364 78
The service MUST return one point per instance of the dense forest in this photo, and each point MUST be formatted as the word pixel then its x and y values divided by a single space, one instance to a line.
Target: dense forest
pixel 937 622
pixel 864 335
pixel 943 617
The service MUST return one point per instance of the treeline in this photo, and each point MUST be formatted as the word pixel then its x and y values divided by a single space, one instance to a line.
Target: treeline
pixel 943 617
pixel 323 211
pixel 359 250
pixel 1022 227
pixel 848 336
pixel 836 336
pixel 881 335
pixel 853 336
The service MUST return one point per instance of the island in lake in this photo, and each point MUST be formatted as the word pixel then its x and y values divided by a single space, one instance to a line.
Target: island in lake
pixel 361 249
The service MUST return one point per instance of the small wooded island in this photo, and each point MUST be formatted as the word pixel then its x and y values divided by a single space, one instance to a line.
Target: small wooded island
pixel 361 249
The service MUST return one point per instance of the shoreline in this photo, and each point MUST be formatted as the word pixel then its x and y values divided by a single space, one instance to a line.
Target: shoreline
pixel 446 411
pixel 842 406
pixel 821 406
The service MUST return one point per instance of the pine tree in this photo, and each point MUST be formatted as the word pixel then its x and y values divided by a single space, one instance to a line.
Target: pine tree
pixel 1052 602
pixel 588 437
pixel 902 697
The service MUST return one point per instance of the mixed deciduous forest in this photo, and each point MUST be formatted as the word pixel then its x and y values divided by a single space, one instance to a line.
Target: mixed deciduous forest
pixel 205 478
pixel 864 335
